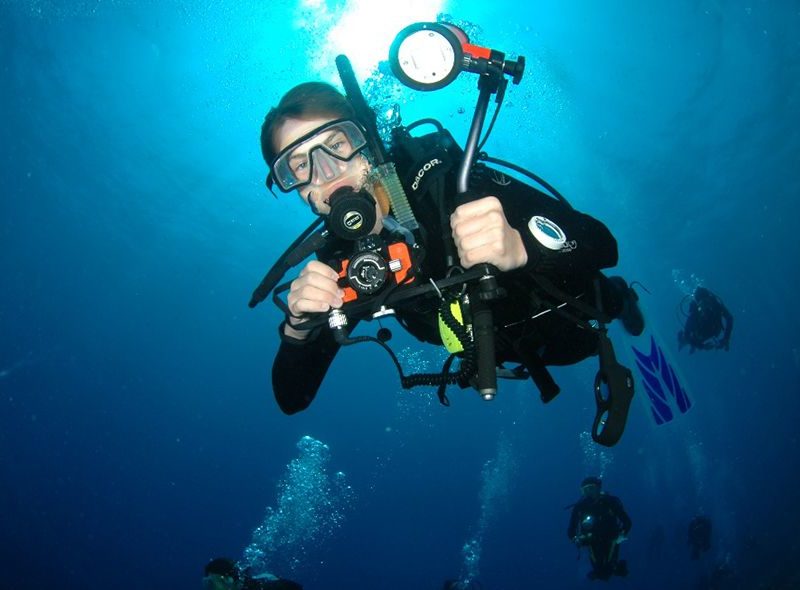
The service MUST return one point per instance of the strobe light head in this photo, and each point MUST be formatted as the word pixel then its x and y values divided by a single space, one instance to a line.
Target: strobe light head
pixel 428 56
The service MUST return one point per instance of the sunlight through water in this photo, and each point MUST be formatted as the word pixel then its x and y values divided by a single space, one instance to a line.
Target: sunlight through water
pixel 361 29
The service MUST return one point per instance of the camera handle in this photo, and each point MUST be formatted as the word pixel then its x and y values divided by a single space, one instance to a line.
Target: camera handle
pixel 483 332
pixel 486 289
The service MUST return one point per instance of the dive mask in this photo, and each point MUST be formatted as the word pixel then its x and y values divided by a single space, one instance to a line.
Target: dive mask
pixel 321 154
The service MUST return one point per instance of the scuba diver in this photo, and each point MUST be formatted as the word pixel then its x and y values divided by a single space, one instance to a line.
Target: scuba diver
pixel 708 324
pixel 536 260
pixel 599 522
pixel 699 536
pixel 222 574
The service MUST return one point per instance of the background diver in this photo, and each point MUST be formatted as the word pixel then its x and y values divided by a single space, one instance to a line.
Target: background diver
pixel 600 523
pixel 708 324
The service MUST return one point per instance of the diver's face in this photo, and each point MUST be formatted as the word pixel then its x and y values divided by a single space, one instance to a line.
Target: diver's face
pixel 327 173
pixel 590 491
pixel 218 582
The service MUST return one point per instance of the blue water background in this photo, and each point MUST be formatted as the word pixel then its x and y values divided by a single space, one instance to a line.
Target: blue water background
pixel 138 434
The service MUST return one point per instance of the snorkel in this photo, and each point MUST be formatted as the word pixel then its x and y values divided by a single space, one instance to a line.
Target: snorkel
pixel 383 176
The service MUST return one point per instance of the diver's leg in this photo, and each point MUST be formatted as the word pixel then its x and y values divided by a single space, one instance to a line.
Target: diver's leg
pixel 618 566
pixel 600 555
pixel 621 301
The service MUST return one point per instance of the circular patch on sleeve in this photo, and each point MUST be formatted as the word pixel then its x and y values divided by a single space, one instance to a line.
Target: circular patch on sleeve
pixel 547 233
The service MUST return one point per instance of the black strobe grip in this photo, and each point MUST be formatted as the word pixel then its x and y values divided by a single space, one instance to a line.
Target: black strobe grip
pixel 483 334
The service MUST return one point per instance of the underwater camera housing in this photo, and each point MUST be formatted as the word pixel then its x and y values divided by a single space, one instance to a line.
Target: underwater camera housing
pixel 373 266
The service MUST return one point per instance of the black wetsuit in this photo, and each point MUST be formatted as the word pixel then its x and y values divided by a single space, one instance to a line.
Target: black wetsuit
pixel 609 522
pixel 551 339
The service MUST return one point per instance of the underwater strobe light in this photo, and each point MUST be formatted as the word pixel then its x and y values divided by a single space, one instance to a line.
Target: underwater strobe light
pixel 428 56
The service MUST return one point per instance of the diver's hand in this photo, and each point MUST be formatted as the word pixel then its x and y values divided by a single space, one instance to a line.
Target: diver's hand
pixel 482 234
pixel 314 290
pixel 621 539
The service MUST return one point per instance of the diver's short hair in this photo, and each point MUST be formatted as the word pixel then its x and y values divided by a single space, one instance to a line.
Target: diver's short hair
pixel 305 101
pixel 702 293
pixel 221 566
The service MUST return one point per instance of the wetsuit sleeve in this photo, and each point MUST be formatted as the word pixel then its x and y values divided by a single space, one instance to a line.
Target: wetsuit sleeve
pixel 301 365
pixel 572 529
pixel 623 517
pixel 299 368
pixel 589 247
